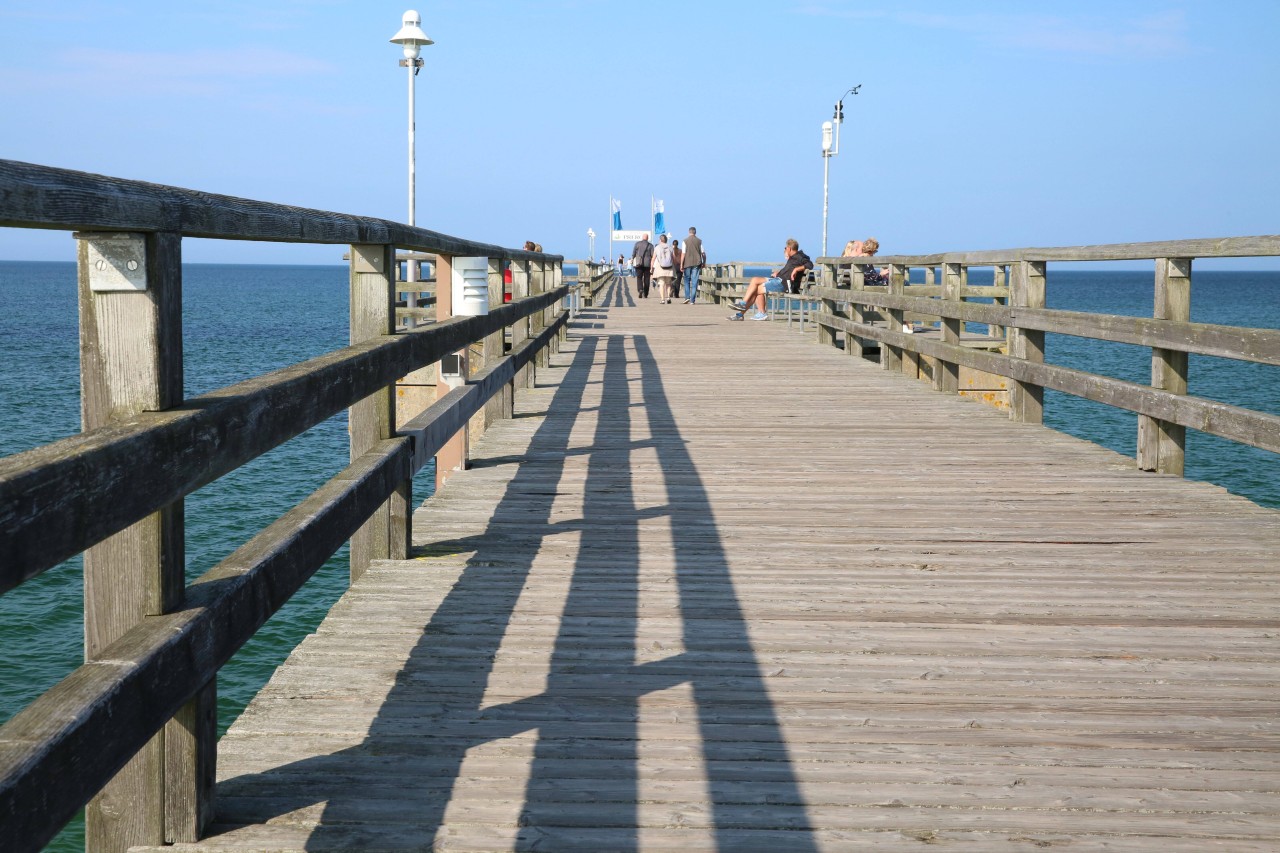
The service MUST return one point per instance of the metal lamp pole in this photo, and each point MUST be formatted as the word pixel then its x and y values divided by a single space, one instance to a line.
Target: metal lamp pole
pixel 826 171
pixel 412 39
pixel 830 148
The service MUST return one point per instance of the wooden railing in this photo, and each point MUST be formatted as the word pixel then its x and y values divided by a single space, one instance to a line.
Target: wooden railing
pixel 853 314
pixel 132 732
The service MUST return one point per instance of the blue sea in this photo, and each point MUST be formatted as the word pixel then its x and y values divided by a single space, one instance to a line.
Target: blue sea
pixel 241 321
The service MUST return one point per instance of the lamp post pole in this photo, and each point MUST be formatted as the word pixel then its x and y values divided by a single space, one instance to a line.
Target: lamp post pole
pixel 830 148
pixel 413 172
pixel 826 171
pixel 412 39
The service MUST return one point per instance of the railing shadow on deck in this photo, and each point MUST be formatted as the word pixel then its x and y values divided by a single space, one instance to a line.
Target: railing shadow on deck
pixel 572 718
pixel 618 294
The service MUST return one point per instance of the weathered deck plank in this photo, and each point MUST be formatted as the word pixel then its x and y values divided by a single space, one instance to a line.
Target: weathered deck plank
pixel 721 589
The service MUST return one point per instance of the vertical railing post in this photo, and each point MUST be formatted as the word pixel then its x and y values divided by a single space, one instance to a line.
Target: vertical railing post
pixel 499 405
pixel 557 281
pixel 911 360
pixel 130 296
pixel 373 419
pixel 930 280
pixel 857 312
pixel 827 309
pixel 1026 400
pixel 999 279
pixel 452 456
pixel 946 374
pixel 521 277
pixel 890 355
pixel 1161 444
pixel 538 320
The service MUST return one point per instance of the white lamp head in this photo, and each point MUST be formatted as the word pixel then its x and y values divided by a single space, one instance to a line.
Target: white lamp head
pixel 826 136
pixel 411 37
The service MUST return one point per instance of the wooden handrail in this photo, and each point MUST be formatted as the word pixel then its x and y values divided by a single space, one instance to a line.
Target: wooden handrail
pixel 138 720
pixel 33 196
pixel 1238 424
pixel 59 499
pixel 1234 342
pixel 1215 247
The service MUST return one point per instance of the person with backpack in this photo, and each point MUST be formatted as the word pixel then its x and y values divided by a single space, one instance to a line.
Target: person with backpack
pixel 642 260
pixel 664 262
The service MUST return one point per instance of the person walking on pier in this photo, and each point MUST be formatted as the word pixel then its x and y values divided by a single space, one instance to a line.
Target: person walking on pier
pixel 677 268
pixel 693 261
pixel 642 260
pixel 664 268
pixel 795 267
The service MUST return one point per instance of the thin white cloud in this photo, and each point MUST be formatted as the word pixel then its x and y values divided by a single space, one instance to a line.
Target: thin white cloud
pixel 190 73
pixel 1149 36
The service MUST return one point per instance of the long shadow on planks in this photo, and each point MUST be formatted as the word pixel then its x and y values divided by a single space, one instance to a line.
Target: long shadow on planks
pixel 584 789
pixel 618 293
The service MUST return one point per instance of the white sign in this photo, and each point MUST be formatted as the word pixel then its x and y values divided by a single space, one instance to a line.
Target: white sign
pixel 628 236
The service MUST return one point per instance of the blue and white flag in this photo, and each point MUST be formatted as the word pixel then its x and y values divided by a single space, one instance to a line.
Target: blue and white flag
pixel 659 218
pixel 615 208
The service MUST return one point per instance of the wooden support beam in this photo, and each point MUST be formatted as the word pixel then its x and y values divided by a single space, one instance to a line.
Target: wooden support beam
pixel 1026 400
pixel 130 298
pixel 373 419
pixel 500 406
pixel 520 288
pixel 890 355
pixel 826 334
pixel 1162 445
pixel 452 457
pixel 538 322
pixel 1000 280
pixel 946 374
pixel 856 311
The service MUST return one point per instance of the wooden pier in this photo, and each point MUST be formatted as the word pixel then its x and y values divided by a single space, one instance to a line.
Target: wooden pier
pixel 717 588
pixel 686 585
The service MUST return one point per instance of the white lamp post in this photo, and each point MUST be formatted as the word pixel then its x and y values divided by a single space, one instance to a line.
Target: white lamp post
pixel 830 148
pixel 826 170
pixel 591 245
pixel 412 39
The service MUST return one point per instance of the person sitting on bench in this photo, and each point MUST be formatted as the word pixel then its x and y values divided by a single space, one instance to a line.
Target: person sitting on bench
pixel 798 263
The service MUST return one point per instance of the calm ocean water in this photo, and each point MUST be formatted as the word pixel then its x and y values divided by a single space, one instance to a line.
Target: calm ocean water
pixel 241 321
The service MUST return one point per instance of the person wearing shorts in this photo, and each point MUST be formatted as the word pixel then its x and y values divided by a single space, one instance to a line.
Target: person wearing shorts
pixel 759 287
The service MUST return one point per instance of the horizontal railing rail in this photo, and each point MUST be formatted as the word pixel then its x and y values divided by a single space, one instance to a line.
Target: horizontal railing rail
pixel 33 196
pixel 1234 342
pixel 62 498
pixel 1214 247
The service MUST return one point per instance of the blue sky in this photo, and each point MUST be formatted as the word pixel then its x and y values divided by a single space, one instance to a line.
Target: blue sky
pixel 980 125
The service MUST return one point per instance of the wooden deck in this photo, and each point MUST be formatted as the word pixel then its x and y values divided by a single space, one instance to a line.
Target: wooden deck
pixel 718 588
